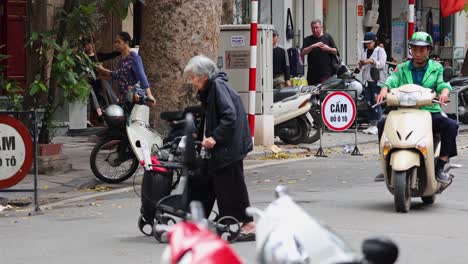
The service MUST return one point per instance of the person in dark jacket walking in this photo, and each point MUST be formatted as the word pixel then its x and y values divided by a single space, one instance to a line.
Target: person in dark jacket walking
pixel 225 135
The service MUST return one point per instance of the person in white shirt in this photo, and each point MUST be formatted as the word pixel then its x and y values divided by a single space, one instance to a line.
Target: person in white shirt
pixel 372 56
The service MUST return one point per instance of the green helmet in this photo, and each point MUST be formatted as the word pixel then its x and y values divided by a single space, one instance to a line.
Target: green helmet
pixel 421 38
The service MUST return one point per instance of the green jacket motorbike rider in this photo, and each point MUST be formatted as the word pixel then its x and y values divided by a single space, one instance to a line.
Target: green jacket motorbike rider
pixel 427 73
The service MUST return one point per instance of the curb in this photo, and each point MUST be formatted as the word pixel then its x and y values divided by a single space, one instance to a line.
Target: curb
pixel 301 149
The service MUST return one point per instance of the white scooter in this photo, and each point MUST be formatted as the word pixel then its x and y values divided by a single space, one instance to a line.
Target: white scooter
pixel 408 148
pixel 286 234
pixel 138 128
pixel 295 123
pixel 116 156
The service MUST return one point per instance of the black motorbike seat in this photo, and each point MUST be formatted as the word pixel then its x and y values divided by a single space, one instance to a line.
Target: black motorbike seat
pixel 459 81
pixel 332 83
pixel 280 94
pixel 171 116
pixel 179 115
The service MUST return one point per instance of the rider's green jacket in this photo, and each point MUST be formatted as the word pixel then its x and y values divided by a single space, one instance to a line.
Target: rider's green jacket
pixel 433 79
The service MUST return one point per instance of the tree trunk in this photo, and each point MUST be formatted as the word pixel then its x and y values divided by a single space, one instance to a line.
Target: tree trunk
pixel 173 31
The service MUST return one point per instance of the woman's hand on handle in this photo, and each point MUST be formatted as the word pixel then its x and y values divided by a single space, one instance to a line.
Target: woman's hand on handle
pixel 151 100
pixel 150 97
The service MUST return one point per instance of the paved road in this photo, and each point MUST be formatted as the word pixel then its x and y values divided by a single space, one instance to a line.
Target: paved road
pixel 337 190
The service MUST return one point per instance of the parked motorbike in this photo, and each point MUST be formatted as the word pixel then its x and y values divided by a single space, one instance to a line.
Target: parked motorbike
pixel 286 234
pixel 457 108
pixel 295 123
pixel 409 149
pixel 115 158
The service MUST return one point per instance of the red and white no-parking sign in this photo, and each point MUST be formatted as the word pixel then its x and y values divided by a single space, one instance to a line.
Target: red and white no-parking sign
pixel 16 151
pixel 338 111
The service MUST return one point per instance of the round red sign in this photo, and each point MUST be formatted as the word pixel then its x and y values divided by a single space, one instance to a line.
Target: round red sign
pixel 338 111
pixel 16 151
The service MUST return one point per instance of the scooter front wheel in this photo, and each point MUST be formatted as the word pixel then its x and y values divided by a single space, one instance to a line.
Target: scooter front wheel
pixel 297 131
pixel 112 160
pixel 402 192
pixel 428 199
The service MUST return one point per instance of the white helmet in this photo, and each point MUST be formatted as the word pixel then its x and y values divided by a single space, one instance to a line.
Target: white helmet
pixel 114 111
pixel 354 85
pixel 114 116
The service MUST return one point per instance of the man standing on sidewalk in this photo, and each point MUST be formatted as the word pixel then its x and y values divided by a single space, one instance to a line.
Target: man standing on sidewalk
pixel 319 47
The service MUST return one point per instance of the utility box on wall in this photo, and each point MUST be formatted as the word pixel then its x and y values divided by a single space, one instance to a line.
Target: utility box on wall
pixel 234 59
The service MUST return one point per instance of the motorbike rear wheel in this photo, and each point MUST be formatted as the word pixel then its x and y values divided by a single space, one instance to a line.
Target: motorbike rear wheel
pixel 314 132
pixel 112 160
pixel 402 192
pixel 299 128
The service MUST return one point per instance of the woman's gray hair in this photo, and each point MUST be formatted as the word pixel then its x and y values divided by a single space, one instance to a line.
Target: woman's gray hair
pixel 201 65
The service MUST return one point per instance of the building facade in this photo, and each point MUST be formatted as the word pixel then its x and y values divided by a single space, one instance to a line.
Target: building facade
pixel 348 20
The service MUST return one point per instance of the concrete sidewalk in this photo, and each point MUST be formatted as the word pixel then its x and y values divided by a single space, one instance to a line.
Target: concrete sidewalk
pixel 80 180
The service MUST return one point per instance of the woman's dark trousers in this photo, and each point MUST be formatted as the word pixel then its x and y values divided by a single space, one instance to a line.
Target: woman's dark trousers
pixel 225 185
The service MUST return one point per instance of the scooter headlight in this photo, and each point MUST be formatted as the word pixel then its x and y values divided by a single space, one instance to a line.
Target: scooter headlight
pixel 422 147
pixel 386 147
pixel 408 99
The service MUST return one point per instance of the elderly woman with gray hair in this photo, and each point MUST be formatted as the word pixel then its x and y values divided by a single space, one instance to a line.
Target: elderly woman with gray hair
pixel 225 134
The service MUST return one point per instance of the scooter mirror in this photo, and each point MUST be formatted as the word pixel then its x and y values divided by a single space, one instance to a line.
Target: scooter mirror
pixel 380 250
pixel 448 73
pixel 375 74
pixel 357 70
pixel 341 70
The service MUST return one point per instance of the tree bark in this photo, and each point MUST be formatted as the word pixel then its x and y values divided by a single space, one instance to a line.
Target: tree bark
pixel 173 31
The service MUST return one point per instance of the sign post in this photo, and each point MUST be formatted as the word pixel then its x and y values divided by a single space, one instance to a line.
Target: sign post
pixel 339 112
pixel 17 152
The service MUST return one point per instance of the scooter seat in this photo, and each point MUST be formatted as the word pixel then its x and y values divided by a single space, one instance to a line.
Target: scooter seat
pixel 194 109
pixel 171 116
pixel 179 115
pixel 280 94
pixel 459 81
pixel 332 83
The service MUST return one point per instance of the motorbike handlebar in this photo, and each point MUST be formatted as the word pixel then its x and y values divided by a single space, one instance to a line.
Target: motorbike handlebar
pixel 147 99
pixel 434 101
pixel 437 101
pixel 377 104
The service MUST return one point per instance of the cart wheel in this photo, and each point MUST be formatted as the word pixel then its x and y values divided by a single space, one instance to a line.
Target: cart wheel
pixel 162 236
pixel 144 226
pixel 228 228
